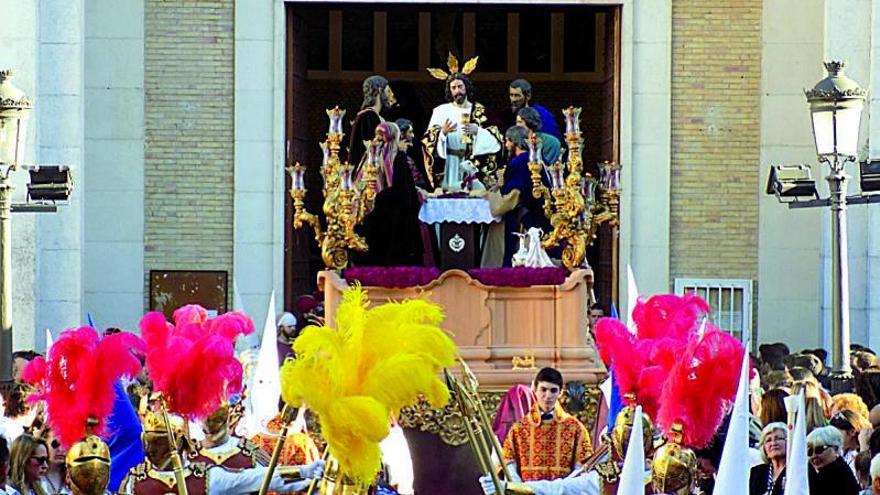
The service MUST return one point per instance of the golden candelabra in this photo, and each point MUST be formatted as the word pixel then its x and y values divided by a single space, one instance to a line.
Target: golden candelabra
pixel 347 199
pixel 571 201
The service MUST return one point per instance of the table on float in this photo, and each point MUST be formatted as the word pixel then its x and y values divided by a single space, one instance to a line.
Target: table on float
pixel 461 223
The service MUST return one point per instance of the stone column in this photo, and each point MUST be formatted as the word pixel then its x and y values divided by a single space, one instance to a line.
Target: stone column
pixel 872 126
pixel 59 107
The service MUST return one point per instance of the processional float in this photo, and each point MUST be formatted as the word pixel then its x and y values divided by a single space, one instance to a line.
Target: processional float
pixel 575 203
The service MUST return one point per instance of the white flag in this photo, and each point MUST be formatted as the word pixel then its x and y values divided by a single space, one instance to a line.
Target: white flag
pixel 49 341
pixel 735 468
pixel 632 476
pixel 237 301
pixel 632 297
pixel 796 481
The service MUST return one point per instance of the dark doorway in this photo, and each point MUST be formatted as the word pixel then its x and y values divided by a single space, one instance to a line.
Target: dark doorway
pixel 570 53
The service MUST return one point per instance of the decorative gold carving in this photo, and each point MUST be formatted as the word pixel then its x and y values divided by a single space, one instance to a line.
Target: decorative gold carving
pixel 570 203
pixel 346 200
pixel 524 362
pixel 582 402
pixel 448 424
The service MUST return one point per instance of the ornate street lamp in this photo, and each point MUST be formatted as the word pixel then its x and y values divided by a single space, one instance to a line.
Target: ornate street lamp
pixel 14 109
pixel 836 107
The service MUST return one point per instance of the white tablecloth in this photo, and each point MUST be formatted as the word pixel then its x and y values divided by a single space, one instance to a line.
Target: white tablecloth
pixel 457 210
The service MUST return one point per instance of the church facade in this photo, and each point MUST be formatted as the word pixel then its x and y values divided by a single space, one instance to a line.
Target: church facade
pixel 178 119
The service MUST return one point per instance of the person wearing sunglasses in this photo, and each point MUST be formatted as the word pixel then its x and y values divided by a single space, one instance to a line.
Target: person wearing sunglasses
pixel 29 458
pixel 769 478
pixel 829 473
pixel 53 482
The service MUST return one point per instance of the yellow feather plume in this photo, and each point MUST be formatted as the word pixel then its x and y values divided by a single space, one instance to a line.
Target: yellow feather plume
pixel 355 376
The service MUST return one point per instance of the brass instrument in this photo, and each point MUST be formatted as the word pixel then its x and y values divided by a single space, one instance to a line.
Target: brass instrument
pixel 571 204
pixel 481 438
pixel 346 199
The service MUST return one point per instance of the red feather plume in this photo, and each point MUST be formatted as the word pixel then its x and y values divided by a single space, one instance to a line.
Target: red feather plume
pixel 193 361
pixel 77 379
pixel 668 315
pixel 617 349
pixel 642 362
pixel 701 386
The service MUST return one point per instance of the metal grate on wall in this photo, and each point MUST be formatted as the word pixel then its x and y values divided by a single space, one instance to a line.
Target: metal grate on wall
pixel 730 300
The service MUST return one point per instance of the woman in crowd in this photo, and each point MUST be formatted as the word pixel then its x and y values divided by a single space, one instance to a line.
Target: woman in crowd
pixel 29 461
pixel 849 401
pixel 53 482
pixel 815 412
pixel 773 407
pixel 851 426
pixel 769 478
pixel 829 474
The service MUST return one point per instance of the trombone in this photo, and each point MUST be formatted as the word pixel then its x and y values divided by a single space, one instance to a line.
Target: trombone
pixel 481 438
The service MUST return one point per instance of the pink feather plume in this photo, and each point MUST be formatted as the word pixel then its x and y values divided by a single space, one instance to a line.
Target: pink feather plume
pixel 642 362
pixel 617 349
pixel 77 380
pixel 701 386
pixel 193 362
pixel 668 315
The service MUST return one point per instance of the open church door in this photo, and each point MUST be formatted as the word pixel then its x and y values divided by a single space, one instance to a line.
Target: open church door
pixel 298 251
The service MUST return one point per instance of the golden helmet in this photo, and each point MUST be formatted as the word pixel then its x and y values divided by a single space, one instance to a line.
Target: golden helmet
pixel 154 422
pixel 623 427
pixel 218 420
pixel 674 466
pixel 88 466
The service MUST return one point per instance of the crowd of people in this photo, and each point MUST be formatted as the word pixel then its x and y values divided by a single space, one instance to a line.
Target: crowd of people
pixel 843 430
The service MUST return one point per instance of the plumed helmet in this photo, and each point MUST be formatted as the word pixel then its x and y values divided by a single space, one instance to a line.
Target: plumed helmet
pixel 88 466
pixel 623 428
pixel 155 423
pixel 674 466
pixel 218 420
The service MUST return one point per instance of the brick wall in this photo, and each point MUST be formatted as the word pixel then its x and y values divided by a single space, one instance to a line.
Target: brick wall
pixel 716 58
pixel 188 84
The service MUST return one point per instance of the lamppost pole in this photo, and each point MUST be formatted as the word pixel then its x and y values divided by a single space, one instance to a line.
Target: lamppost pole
pixel 835 108
pixel 14 109
pixel 5 277
pixel 839 268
